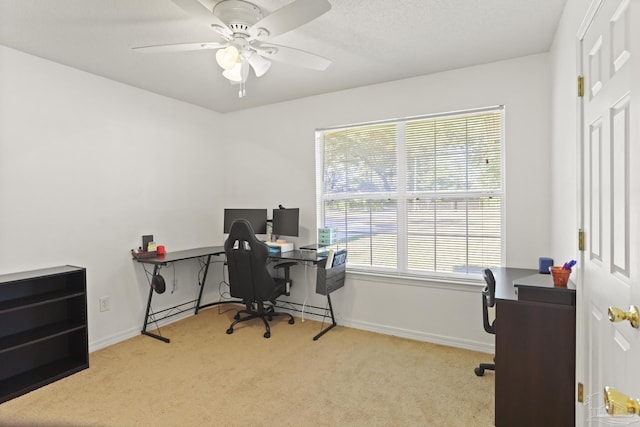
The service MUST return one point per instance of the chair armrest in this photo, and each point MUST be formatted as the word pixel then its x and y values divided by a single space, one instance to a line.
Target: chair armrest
pixel 286 264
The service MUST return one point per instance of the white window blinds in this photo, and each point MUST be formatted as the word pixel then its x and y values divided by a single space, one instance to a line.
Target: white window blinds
pixel 418 196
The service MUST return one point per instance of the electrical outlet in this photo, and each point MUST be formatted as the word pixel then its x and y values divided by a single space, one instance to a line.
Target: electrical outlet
pixel 104 303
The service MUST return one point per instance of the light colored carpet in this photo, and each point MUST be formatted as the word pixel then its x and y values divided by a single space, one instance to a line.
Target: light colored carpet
pixel 205 377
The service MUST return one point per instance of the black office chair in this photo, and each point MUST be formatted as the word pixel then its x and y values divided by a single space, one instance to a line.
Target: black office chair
pixel 286 280
pixel 249 278
pixel 488 300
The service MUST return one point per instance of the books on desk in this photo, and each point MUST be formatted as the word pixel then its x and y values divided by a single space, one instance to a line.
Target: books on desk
pixel 330 257
pixel 335 258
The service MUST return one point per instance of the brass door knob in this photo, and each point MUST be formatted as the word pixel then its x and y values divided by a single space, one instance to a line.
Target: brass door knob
pixel 618 315
pixel 618 403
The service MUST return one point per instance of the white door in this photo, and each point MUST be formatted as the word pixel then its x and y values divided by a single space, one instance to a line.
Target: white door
pixel 608 354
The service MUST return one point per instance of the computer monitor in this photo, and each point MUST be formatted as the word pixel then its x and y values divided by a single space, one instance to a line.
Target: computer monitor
pixel 285 222
pixel 256 217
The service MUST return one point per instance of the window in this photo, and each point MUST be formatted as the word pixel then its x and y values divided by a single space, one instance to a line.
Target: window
pixel 416 196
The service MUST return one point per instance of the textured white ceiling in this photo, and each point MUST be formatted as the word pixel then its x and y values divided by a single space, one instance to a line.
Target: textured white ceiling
pixel 369 41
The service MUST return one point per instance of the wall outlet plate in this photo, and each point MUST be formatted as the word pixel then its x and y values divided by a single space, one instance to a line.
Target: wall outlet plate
pixel 104 303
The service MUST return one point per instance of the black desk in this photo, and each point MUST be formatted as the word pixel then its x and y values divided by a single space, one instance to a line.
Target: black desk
pixel 312 257
pixel 296 255
pixel 535 350
pixel 206 253
pixel 159 261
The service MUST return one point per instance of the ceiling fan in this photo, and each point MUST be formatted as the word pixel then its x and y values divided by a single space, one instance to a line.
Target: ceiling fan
pixel 244 32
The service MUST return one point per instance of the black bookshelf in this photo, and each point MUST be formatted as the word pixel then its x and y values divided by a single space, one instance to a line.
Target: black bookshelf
pixel 43 328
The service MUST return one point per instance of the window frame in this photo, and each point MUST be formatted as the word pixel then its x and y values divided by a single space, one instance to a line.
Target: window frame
pixel 401 195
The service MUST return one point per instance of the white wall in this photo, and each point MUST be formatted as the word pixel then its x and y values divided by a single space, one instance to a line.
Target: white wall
pixel 87 166
pixel 276 144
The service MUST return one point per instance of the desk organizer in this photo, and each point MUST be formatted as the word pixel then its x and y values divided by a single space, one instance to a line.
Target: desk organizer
pixel 328 280
pixel 560 275
pixel 143 254
pixel 327 236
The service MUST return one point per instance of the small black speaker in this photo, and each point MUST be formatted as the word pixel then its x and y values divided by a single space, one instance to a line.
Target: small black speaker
pixel 158 285
pixel 146 239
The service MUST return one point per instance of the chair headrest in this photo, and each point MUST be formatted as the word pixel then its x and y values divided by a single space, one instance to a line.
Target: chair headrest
pixel 241 229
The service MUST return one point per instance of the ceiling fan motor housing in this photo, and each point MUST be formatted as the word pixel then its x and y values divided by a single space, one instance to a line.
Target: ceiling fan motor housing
pixel 239 15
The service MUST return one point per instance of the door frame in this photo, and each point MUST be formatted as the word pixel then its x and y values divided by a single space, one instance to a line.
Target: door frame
pixel 582 408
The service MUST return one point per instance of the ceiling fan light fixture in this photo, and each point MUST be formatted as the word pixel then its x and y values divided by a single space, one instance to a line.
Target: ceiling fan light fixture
pixel 228 57
pixel 259 64
pixel 234 73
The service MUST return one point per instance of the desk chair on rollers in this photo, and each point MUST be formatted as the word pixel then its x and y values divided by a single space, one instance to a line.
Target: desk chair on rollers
pixel 286 280
pixel 249 277
pixel 488 300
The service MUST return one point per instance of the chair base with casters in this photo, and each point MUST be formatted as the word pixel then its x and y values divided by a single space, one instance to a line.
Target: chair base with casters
pixel 258 310
pixel 485 367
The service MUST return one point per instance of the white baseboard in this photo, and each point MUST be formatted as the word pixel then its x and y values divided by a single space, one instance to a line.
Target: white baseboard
pixel 366 326
pixel 113 339
pixel 420 336
pixel 132 332
pixel 404 333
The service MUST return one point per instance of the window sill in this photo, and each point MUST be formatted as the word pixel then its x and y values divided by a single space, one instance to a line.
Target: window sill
pixel 435 281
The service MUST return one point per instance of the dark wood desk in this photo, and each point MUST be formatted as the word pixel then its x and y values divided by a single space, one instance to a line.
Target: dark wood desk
pixel 535 350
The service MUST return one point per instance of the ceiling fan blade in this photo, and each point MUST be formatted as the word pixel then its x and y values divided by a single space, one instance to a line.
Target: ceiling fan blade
pixel 202 11
pixel 292 56
pixel 288 17
pixel 180 47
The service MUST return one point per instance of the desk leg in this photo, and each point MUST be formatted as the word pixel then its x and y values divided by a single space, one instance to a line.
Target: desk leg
pixel 333 321
pixel 146 316
pixel 204 279
pixel 211 304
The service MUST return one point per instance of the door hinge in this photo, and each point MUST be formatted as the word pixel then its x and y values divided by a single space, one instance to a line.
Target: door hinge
pixel 580 392
pixel 580 86
pixel 581 240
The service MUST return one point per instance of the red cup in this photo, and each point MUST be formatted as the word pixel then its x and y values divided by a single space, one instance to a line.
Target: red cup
pixel 160 249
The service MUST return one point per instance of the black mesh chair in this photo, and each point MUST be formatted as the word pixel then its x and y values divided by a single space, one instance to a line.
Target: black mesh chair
pixel 488 300
pixel 249 277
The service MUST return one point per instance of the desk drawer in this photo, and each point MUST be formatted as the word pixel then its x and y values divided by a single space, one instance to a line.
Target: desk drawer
pixel 535 364
pixel 548 295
